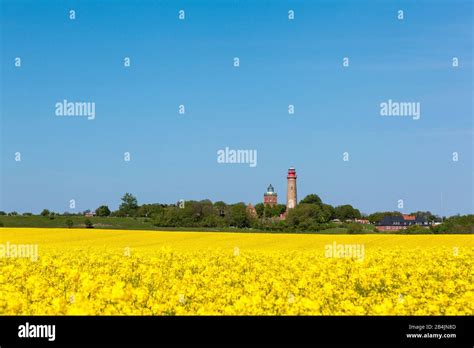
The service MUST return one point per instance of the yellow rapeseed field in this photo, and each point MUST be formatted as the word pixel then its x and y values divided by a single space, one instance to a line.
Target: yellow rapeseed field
pixel 114 272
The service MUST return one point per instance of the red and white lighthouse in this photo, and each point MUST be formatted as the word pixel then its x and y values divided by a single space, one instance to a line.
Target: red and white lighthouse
pixel 291 199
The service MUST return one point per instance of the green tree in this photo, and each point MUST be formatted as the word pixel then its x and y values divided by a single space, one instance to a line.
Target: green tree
pixel 329 212
pixel 69 223
pixel 45 212
pixel 103 210
pixel 88 223
pixel 259 208
pixel 456 224
pixel 269 211
pixel 302 215
pixel 311 199
pixel 150 210
pixel 170 217
pixel 279 209
pixel 378 216
pixel 207 209
pixel 307 216
pixel 191 213
pixel 210 221
pixel 129 205
pixel 238 216
pixel 274 210
pixel 427 215
pixel 345 212
pixel 220 208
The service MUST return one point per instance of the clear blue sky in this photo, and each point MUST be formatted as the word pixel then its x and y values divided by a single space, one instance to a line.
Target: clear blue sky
pixel 282 62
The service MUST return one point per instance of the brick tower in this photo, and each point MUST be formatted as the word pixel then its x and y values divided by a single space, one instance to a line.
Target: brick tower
pixel 270 197
pixel 291 189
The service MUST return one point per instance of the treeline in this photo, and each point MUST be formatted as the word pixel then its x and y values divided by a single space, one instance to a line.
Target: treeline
pixel 456 224
pixel 310 214
pixel 428 216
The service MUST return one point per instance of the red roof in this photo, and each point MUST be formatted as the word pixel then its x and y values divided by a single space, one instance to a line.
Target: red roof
pixel 409 217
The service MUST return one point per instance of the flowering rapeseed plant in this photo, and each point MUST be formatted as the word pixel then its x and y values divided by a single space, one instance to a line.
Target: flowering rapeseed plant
pixel 104 272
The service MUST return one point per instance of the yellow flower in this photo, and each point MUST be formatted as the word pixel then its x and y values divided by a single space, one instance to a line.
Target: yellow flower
pixel 86 273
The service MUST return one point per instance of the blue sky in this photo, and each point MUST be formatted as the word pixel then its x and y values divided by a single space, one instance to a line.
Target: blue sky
pixel 283 62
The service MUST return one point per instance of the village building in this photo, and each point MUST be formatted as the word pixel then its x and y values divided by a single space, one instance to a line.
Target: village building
pixel 270 197
pixel 251 210
pixel 394 223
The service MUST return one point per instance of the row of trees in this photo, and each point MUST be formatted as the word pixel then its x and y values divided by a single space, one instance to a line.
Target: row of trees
pixel 377 216
pixel 311 207
pixel 311 213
